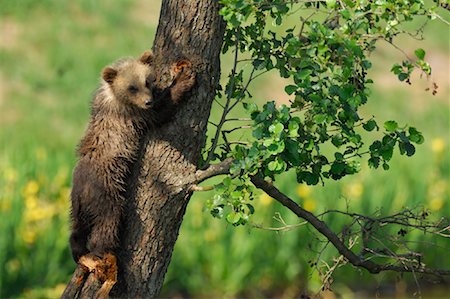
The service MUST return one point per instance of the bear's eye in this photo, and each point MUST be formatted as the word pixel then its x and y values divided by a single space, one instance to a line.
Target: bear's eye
pixel 133 89
pixel 149 83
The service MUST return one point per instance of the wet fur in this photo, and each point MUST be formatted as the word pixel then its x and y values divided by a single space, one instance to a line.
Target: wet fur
pixel 110 146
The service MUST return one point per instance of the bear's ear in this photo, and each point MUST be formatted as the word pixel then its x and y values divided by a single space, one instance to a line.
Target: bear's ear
pixel 109 74
pixel 146 58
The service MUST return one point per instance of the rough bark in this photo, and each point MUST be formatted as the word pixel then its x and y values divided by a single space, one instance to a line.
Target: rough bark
pixel 161 187
pixel 194 31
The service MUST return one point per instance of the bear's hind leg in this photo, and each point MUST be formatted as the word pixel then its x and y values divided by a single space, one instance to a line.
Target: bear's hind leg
pixel 104 234
pixel 78 241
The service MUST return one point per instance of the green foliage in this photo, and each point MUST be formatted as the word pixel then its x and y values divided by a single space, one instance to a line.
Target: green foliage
pixel 326 58
pixel 233 199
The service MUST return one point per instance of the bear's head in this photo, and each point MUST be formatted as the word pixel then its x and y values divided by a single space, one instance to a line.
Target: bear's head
pixel 131 81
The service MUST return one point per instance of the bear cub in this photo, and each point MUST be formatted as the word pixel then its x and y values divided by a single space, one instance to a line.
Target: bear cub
pixel 125 106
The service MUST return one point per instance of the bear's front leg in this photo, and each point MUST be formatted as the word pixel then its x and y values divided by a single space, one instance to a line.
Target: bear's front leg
pixel 184 80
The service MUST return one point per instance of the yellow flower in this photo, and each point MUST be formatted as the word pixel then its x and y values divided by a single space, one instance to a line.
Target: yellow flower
pixel 353 190
pixel 39 213
pixel 309 204
pixel 31 188
pixel 303 191
pixel 31 202
pixel 265 199
pixel 438 146
pixel 436 204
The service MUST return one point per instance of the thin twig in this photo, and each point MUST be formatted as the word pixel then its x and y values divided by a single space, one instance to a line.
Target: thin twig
pixel 227 104
pixel 238 119
pixel 287 227
pixel 236 128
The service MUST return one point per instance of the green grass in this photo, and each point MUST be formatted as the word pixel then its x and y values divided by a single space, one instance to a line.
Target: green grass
pixel 49 69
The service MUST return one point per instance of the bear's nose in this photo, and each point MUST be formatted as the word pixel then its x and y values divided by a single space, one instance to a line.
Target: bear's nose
pixel 148 103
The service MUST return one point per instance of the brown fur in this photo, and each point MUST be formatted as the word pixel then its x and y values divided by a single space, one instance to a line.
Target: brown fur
pixel 124 107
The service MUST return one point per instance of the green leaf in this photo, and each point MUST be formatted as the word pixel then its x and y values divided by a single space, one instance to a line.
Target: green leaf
pixel 420 53
pixel 250 107
pixel 236 194
pixel 374 162
pixel 291 155
pixel 233 218
pixel 391 125
pixel 290 89
pixel 337 140
pixel 320 118
pixel 251 209
pixel 354 101
pixel 375 147
pixel 303 74
pixel 409 149
pixel 217 212
pixel 415 136
pixel 276 147
pixel 310 145
pixel 226 181
pixel 403 76
pixel 387 152
pixel 278 20
pixel 337 167
pixel 331 3
pixel 345 14
pixel 311 178
pixel 370 125
pixel 338 156
pixel 293 129
pixel 277 165
pixel 308 177
pixel 396 69
pixel 258 133
pixel 276 129
pixel 272 166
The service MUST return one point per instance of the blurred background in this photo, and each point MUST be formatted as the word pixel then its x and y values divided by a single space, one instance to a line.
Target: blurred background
pixel 51 55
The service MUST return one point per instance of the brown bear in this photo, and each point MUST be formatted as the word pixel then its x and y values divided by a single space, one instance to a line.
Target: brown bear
pixel 125 106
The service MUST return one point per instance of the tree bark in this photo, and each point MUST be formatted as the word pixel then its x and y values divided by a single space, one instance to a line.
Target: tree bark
pixel 161 186
pixel 191 30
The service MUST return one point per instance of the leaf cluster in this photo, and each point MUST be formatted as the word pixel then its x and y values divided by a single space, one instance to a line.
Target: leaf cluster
pixel 232 200
pixel 326 57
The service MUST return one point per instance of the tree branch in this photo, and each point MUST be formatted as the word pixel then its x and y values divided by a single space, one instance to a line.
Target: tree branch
pixel 323 228
pixel 213 170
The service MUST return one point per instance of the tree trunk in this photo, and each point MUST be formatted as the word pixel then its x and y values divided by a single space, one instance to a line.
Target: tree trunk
pixel 161 187
pixel 192 30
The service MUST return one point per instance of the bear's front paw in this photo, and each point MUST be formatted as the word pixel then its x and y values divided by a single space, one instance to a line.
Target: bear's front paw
pixel 184 74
